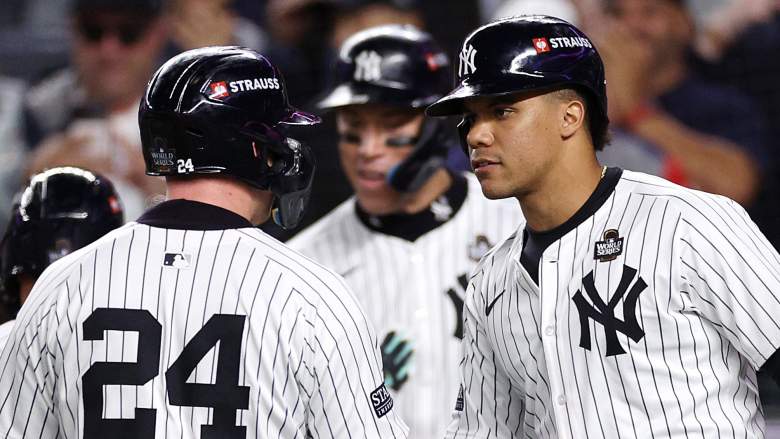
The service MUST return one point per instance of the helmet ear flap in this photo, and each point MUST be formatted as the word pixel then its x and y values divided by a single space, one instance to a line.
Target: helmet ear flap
pixel 292 188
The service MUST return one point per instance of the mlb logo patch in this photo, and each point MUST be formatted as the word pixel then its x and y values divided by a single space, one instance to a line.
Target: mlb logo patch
pixel 177 260
pixel 219 90
pixel 541 45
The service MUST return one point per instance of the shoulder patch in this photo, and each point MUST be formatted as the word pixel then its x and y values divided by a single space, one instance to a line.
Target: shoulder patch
pixel 381 400
pixel 459 401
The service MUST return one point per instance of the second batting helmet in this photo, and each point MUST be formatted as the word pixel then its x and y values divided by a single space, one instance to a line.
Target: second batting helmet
pixel 526 53
pixel 401 66
pixel 223 110
pixel 60 211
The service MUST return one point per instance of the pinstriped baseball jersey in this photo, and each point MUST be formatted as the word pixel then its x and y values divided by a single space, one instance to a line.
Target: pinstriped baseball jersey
pixel 172 332
pixel 5 331
pixel 415 288
pixel 651 316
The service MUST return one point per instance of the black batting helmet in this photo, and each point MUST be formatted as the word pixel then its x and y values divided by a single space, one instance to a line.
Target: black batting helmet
pixel 223 110
pixel 58 212
pixel 401 66
pixel 527 53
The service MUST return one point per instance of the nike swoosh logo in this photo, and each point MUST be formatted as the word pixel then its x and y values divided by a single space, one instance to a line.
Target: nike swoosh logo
pixel 492 304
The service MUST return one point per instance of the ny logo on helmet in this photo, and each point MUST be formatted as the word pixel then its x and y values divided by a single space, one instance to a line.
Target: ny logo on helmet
pixel 368 66
pixel 466 65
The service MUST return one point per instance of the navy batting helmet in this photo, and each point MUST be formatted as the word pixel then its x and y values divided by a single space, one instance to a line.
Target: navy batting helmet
pixel 401 66
pixel 527 53
pixel 223 110
pixel 58 212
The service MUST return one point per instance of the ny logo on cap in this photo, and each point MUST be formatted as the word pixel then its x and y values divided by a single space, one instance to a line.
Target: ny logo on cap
pixel 368 66
pixel 466 65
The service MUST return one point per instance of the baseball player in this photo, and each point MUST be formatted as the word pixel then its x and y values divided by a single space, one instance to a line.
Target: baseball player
pixel 399 241
pixel 191 322
pixel 57 213
pixel 625 305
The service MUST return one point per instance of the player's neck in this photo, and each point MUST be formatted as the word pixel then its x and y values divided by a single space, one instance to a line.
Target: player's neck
pixel 227 193
pixel 439 182
pixel 560 195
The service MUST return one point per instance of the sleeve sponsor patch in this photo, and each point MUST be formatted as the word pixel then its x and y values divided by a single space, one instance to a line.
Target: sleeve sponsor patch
pixel 381 400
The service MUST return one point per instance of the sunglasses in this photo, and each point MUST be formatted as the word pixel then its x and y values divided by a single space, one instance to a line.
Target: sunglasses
pixel 127 33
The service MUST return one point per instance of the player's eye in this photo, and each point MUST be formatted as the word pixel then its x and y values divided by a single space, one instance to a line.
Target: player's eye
pixel 502 112
pixel 350 138
pixel 398 141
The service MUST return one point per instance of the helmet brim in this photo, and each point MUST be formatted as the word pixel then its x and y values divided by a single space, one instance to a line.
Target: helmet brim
pixel 298 117
pixel 345 95
pixel 452 104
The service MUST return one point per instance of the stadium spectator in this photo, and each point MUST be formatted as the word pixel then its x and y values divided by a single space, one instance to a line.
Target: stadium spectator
pixel 200 23
pixel 85 114
pixel 671 122
pixel 738 49
pixel 11 145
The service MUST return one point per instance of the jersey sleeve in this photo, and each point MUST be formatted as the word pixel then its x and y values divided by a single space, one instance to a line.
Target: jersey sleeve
pixel 731 274
pixel 28 377
pixel 349 398
pixel 487 405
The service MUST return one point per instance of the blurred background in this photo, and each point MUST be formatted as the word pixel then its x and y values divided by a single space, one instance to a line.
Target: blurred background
pixel 72 72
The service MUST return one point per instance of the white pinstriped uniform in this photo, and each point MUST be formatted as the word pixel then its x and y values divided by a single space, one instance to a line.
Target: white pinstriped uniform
pixel 294 348
pixel 408 287
pixel 708 318
pixel 5 331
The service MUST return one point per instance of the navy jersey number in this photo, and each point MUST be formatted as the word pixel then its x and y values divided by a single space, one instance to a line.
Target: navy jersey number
pixel 225 396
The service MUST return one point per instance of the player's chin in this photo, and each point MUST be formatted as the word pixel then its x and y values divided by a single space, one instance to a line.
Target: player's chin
pixel 493 191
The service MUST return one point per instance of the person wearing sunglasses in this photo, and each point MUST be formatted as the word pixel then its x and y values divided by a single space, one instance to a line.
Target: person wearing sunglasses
pixel 85 115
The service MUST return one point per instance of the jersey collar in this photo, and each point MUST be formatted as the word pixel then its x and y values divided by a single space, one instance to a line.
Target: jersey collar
pixel 411 227
pixel 192 215
pixel 597 199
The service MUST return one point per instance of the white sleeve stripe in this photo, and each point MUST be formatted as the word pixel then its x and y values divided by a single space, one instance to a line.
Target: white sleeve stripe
pixel 717 250
pixel 327 303
pixel 338 391
pixel 731 292
pixel 707 218
pixel 745 336
pixel 358 332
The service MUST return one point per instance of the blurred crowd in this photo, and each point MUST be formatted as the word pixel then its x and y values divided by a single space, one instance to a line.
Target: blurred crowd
pixel 693 95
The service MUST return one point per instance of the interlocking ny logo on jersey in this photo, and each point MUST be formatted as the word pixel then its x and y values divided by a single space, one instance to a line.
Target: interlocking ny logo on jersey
pixel 604 313
pixel 368 66
pixel 467 65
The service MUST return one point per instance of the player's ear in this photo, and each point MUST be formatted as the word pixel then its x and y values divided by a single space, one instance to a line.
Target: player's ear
pixel 572 117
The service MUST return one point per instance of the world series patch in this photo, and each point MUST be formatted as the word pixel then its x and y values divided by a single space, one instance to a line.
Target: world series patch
pixel 610 248
pixel 381 400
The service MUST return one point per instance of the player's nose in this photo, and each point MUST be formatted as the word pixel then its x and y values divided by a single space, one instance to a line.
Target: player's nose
pixel 479 135
pixel 371 144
